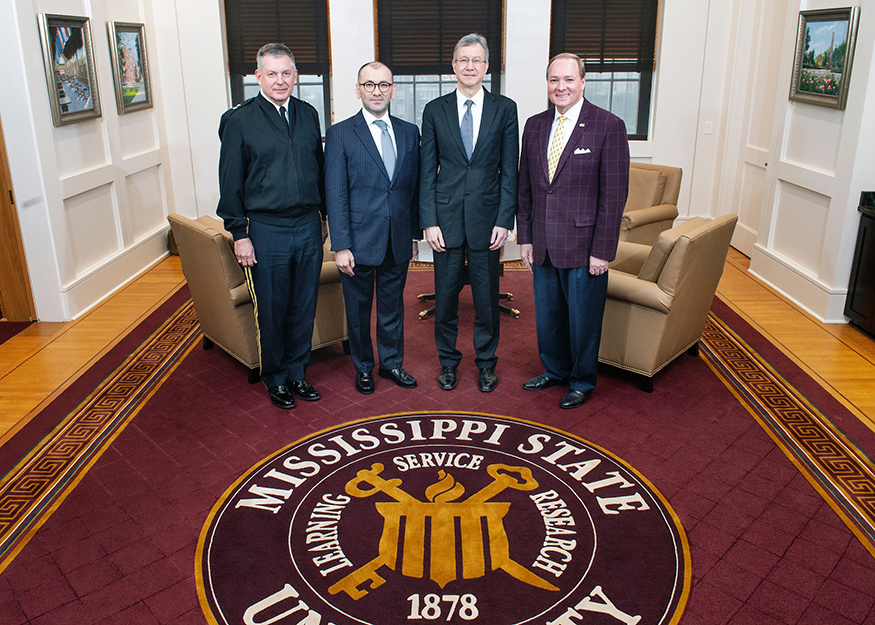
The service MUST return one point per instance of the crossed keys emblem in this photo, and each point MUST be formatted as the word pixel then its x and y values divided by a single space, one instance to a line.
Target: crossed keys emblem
pixel 440 512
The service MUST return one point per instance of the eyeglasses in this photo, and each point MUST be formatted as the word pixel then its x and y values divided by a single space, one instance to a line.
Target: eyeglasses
pixel 370 86
pixel 477 62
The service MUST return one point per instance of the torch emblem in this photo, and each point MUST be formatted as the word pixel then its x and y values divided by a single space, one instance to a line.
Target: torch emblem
pixel 439 514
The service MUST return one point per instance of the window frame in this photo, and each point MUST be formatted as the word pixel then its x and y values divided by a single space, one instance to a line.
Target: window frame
pixel 598 54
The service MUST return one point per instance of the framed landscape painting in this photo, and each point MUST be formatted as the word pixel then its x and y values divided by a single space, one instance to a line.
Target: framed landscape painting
pixel 824 55
pixel 69 64
pixel 130 66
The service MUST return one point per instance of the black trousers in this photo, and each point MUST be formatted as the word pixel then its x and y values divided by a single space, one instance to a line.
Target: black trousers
pixel 389 279
pixel 284 282
pixel 449 278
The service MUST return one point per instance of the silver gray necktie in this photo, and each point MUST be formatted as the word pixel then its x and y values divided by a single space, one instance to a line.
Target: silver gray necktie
pixel 468 129
pixel 387 147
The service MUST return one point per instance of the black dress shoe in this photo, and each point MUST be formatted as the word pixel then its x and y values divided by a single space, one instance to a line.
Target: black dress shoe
pixel 447 378
pixel 364 383
pixel 540 382
pixel 303 390
pixel 281 397
pixel 573 399
pixel 488 380
pixel 399 376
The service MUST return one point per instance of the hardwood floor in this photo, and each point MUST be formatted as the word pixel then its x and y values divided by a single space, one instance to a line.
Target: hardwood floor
pixel 39 363
pixel 839 356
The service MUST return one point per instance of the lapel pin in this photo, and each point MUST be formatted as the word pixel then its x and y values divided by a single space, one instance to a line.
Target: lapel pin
pixel 582 125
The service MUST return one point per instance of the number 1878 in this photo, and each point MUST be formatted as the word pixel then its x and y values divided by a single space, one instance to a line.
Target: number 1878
pixel 429 607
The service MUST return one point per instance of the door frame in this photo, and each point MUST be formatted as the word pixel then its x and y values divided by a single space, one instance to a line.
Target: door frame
pixel 16 296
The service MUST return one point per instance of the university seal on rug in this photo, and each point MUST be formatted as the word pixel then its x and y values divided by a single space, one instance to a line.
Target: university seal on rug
pixel 442 517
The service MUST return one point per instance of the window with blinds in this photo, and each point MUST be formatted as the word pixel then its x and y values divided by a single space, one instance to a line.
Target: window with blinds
pixel 416 39
pixel 300 24
pixel 617 40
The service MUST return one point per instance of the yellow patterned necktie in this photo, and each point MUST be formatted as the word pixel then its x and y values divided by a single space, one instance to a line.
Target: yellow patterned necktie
pixel 556 147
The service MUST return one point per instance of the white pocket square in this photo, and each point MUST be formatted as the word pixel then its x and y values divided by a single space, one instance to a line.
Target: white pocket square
pixel 582 151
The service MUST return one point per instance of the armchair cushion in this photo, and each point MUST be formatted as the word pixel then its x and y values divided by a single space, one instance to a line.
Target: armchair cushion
pixel 652 267
pixel 653 317
pixel 221 294
pixel 645 188
pixel 652 203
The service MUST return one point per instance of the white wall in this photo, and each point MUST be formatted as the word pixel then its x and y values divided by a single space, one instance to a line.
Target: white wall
pixel 820 161
pixel 92 197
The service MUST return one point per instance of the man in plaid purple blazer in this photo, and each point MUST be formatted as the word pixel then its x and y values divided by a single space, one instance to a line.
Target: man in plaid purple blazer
pixel 573 184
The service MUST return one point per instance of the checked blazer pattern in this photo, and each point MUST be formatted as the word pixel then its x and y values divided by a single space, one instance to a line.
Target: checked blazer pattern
pixel 579 213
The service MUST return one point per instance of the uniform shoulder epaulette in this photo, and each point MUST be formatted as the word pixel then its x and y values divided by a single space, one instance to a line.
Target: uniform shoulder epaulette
pixel 242 104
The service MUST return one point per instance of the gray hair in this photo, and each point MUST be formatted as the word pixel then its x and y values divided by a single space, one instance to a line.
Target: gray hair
pixel 471 40
pixel 275 50
pixel 573 57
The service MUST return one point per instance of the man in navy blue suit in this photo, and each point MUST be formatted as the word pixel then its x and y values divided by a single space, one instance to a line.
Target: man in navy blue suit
pixel 371 171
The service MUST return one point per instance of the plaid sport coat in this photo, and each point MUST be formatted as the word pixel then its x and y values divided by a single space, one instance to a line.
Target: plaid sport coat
pixel 578 215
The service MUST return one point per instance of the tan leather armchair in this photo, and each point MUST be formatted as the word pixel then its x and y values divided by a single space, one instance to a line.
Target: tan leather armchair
pixel 221 296
pixel 659 296
pixel 652 205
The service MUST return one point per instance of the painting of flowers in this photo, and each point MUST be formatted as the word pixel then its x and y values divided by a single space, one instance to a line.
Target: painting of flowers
pixel 823 56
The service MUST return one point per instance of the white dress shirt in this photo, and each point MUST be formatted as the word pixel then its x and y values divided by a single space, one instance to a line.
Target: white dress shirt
pixel 571 116
pixel 476 110
pixel 376 131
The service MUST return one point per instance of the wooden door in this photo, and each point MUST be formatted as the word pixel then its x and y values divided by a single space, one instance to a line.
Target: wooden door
pixel 16 298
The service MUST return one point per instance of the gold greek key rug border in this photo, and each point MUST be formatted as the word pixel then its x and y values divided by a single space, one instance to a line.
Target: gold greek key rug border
pixel 837 469
pixel 34 489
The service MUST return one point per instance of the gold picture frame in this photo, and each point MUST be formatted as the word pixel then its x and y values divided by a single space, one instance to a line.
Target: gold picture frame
pixel 71 76
pixel 824 56
pixel 130 66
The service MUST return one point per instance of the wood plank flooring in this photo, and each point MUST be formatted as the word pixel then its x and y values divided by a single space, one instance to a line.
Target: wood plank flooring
pixel 42 361
pixel 839 356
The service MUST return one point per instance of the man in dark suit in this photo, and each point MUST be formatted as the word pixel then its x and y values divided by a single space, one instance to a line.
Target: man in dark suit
pixel 270 179
pixel 573 184
pixel 467 202
pixel 371 171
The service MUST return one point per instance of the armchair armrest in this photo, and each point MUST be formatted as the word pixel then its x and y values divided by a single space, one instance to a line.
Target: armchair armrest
pixel 630 257
pixel 649 215
pixel 628 288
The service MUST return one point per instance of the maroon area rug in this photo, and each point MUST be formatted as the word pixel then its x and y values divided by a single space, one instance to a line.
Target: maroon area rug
pixel 122 547
pixel 8 329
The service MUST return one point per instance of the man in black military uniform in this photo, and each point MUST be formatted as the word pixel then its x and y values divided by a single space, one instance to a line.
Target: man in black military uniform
pixel 270 179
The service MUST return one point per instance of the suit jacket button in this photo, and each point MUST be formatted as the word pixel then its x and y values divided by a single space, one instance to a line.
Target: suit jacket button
pixel 550 192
